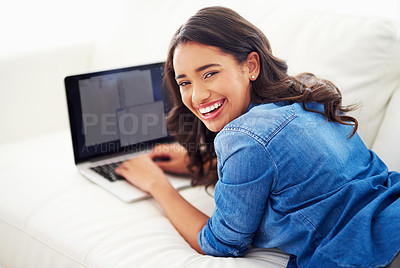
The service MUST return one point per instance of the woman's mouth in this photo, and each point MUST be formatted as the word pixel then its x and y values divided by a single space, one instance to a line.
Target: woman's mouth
pixel 211 110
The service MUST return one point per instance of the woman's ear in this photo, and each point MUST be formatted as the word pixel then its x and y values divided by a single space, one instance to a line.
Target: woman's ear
pixel 253 65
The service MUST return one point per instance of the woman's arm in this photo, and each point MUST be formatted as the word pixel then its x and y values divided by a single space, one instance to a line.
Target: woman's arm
pixel 143 173
pixel 246 173
pixel 187 219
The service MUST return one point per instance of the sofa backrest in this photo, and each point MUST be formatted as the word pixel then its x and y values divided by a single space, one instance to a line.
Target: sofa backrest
pixel 361 55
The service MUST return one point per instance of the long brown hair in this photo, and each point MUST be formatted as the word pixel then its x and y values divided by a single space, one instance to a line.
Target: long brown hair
pixel 225 29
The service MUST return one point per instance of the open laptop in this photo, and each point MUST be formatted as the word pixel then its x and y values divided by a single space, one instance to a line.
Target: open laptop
pixel 115 115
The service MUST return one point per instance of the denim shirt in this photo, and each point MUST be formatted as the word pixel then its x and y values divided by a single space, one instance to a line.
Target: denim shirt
pixel 290 179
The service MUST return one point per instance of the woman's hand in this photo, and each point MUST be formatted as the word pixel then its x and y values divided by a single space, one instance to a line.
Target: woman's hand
pixel 143 173
pixel 171 157
pixel 148 176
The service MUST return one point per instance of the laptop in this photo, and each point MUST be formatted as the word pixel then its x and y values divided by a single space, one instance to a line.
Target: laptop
pixel 115 115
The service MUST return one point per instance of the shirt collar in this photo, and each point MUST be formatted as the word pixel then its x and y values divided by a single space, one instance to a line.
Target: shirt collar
pixel 251 105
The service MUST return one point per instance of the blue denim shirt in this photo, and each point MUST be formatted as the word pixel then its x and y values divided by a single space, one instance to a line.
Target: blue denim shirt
pixel 292 180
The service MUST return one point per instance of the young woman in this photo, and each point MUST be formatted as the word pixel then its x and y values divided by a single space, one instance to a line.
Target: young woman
pixel 290 170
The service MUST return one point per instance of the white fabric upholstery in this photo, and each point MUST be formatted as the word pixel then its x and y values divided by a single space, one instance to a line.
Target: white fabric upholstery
pixel 50 216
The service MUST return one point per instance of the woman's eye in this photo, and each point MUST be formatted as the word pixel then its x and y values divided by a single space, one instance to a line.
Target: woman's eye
pixel 208 75
pixel 182 84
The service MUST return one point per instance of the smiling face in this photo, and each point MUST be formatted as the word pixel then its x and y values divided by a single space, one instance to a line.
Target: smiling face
pixel 213 85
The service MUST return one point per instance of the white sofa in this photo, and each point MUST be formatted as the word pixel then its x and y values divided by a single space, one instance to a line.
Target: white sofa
pixel 50 216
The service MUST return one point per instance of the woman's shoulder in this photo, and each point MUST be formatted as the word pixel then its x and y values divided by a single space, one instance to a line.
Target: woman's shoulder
pixel 263 121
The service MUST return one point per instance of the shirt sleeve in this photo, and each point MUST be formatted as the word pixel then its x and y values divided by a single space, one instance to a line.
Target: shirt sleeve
pixel 246 174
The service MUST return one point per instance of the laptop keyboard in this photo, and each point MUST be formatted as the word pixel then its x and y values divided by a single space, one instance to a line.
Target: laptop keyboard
pixel 107 171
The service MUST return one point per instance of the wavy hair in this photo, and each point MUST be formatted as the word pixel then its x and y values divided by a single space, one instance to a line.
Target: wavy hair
pixel 225 29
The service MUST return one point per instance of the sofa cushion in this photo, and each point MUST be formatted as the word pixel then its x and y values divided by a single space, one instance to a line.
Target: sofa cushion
pixel 51 216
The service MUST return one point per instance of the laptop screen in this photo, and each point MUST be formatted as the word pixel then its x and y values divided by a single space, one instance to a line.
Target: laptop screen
pixel 117 110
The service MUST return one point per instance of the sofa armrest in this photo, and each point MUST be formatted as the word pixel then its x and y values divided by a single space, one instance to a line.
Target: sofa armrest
pixel 32 91
pixel 387 144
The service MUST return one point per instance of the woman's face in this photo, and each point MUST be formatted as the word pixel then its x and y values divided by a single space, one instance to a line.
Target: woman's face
pixel 213 85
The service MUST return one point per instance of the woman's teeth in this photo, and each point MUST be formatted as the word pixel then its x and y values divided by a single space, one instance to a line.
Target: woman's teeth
pixel 211 108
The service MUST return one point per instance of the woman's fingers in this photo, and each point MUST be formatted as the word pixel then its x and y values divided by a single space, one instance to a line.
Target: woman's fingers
pixel 171 158
pixel 141 172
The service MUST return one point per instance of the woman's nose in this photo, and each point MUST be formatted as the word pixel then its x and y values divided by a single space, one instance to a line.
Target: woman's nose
pixel 200 94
